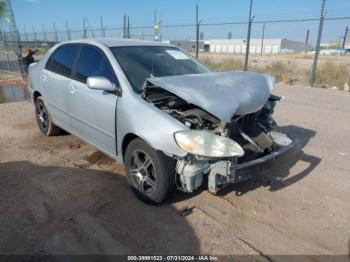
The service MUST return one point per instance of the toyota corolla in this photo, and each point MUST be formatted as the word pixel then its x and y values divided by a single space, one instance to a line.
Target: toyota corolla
pixel 169 119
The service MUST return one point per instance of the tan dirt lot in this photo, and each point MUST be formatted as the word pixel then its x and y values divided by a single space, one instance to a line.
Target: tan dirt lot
pixel 59 195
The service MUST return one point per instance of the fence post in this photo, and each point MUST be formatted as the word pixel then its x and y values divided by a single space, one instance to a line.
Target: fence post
pixel 84 27
pixel 248 36
pixel 197 32
pixel 124 26
pixel 68 32
pixel 55 32
pixel 7 53
pixel 317 49
pixel 307 40
pixel 246 58
pixel 103 35
pixel 44 32
pixel 155 26
pixel 25 34
pixel 345 36
pixel 262 39
pixel 35 38
pixel 128 27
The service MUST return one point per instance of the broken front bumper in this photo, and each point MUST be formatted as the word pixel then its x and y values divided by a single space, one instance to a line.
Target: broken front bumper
pixel 223 172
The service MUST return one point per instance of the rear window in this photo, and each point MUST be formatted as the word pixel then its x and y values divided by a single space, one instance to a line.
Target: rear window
pixel 62 60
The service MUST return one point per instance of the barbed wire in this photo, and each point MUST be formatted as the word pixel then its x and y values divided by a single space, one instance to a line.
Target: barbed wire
pixel 211 24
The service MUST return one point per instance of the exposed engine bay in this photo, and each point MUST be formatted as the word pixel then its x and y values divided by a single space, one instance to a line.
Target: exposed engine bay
pixel 254 132
pixel 190 115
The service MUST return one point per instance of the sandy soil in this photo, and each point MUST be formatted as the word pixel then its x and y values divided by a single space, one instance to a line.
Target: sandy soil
pixel 59 195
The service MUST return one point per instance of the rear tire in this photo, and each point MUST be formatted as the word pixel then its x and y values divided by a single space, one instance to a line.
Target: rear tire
pixel 43 119
pixel 150 173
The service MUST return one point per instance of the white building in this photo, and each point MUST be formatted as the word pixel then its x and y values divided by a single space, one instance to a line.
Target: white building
pixel 268 46
pixel 189 45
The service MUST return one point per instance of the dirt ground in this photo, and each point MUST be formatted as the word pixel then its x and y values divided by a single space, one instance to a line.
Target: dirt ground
pixel 59 195
pixel 11 79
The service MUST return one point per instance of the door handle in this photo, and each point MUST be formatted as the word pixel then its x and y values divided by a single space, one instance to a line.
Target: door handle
pixel 43 78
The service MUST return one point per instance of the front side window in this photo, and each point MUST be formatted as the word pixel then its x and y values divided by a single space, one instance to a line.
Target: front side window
pixel 140 62
pixel 62 60
pixel 93 63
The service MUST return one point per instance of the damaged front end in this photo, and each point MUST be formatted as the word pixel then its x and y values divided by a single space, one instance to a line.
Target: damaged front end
pixel 220 151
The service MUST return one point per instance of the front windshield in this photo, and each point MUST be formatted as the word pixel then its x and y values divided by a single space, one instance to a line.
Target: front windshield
pixel 140 62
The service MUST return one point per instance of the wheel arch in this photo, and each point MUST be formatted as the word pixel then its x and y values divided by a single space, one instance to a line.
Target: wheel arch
pixel 126 141
pixel 36 94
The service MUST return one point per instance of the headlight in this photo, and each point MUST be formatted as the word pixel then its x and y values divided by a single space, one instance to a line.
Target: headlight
pixel 207 144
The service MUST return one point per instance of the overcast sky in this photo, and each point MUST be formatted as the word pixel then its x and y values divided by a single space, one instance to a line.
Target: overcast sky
pixel 29 13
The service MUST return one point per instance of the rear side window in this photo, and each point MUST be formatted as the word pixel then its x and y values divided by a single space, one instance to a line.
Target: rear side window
pixel 93 63
pixel 62 60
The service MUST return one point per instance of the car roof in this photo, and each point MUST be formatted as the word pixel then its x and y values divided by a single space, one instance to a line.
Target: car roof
pixel 114 42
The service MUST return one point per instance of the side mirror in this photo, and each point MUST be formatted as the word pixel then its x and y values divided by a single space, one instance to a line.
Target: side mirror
pixel 100 83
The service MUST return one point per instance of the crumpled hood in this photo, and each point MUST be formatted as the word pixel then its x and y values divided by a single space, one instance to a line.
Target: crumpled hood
pixel 222 94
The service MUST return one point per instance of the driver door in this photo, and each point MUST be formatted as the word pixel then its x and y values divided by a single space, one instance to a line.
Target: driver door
pixel 93 112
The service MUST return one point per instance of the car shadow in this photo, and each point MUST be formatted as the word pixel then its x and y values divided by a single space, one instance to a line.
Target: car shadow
pixel 279 177
pixel 64 210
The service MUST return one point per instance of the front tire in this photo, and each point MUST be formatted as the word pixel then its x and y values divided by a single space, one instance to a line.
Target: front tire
pixel 44 120
pixel 150 173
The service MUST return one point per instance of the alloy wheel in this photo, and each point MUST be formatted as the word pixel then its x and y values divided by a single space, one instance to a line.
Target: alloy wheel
pixel 42 116
pixel 142 172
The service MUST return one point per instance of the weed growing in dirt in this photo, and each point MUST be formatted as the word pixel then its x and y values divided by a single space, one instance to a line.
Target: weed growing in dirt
pixel 283 72
pixel 227 64
pixel 331 74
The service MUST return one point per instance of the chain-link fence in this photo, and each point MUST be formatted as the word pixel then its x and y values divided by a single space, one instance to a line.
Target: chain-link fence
pixel 219 40
pixel 10 54
pixel 291 29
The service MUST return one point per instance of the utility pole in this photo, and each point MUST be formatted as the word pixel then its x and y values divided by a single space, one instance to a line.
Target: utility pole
pixel 197 32
pixel 345 36
pixel 317 49
pixel 68 32
pixel 248 36
pixel 55 32
pixel 307 40
pixel 262 39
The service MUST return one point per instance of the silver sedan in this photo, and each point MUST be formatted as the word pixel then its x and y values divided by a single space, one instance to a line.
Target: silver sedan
pixel 169 119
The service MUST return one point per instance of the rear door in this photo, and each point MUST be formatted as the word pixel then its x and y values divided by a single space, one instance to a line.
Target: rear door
pixel 56 79
pixel 93 112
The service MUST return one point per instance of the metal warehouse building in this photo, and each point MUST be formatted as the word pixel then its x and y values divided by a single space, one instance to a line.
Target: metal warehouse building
pixel 257 46
pixel 189 45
